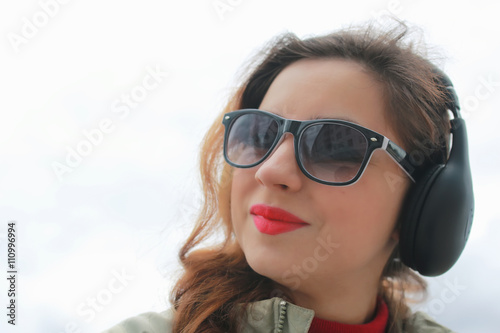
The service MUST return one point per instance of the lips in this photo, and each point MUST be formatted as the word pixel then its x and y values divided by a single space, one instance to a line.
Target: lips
pixel 273 221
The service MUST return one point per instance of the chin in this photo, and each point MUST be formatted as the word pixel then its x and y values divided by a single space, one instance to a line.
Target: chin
pixel 264 264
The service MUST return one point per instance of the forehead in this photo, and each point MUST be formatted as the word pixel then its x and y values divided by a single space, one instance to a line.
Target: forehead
pixel 328 88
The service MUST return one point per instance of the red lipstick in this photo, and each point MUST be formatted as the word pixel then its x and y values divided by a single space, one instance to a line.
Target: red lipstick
pixel 273 221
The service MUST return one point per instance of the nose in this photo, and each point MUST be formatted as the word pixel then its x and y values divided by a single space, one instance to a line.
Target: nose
pixel 280 170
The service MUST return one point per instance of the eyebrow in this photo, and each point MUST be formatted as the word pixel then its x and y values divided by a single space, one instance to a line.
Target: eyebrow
pixel 318 117
pixel 315 117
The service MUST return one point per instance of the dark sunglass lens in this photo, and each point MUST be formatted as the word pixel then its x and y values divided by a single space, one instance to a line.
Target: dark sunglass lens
pixel 250 138
pixel 332 152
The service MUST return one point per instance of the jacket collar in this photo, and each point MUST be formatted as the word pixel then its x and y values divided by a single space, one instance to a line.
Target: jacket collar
pixel 278 316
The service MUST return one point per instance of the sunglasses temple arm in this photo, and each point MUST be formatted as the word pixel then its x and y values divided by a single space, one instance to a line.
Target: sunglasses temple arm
pixel 401 157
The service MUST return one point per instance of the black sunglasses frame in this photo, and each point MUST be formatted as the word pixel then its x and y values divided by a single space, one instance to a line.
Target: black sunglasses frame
pixel 297 128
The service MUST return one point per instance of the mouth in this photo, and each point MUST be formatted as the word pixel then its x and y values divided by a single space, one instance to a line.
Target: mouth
pixel 274 221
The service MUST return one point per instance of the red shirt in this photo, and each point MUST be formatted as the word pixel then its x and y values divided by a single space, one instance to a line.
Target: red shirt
pixel 377 325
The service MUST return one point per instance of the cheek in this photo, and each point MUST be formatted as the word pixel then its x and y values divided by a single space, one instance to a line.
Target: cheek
pixel 241 187
pixel 382 205
pixel 362 218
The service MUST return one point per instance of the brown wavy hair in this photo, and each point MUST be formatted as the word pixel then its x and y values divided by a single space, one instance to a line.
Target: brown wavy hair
pixel 217 278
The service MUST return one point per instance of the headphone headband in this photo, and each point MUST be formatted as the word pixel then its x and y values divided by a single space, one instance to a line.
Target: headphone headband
pixel 443 80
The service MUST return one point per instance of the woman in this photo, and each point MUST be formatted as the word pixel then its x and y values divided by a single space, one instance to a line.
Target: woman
pixel 310 205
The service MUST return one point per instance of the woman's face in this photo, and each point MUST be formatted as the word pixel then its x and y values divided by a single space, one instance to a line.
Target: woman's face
pixel 349 233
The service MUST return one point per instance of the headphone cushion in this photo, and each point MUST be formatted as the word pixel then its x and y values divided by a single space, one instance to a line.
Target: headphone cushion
pixel 410 217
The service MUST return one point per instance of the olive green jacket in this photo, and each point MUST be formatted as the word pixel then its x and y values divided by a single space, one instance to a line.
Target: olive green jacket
pixel 269 316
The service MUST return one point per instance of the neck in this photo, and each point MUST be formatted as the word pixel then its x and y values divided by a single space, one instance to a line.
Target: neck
pixel 353 302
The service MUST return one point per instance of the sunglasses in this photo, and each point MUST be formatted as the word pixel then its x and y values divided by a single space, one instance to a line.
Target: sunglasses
pixel 328 151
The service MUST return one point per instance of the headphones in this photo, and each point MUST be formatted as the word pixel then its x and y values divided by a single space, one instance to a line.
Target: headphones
pixel 436 216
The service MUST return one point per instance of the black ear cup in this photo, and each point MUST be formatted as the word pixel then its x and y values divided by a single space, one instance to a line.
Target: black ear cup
pixel 411 212
pixel 437 214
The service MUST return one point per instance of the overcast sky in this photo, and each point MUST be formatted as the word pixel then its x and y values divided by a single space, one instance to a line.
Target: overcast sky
pixel 98 231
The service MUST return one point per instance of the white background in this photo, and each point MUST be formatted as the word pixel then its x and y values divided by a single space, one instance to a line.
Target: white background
pixel 124 209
